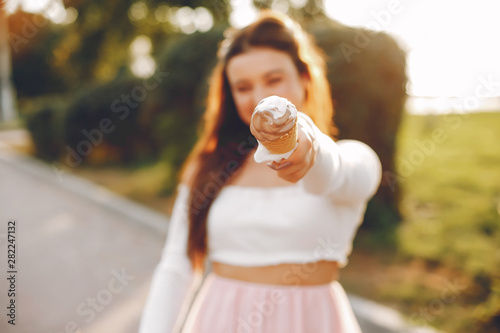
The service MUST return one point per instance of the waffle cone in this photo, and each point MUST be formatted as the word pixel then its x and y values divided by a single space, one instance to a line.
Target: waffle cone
pixel 284 143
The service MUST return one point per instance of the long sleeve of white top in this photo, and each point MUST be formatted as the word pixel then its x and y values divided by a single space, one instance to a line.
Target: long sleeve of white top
pixel 348 171
pixel 173 276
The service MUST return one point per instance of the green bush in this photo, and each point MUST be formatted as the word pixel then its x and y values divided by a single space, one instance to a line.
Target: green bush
pixel 176 107
pixel 97 125
pixel 107 119
pixel 366 71
pixel 44 120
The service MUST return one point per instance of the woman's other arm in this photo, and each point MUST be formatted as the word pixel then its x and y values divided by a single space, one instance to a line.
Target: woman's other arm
pixel 173 276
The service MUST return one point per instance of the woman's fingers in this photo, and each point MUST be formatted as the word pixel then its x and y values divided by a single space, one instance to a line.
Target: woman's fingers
pixel 297 165
pixel 302 159
pixel 294 172
pixel 278 166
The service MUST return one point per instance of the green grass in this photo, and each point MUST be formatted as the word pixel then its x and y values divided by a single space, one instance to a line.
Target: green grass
pixel 449 171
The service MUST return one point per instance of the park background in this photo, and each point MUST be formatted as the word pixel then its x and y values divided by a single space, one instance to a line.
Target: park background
pixel 417 81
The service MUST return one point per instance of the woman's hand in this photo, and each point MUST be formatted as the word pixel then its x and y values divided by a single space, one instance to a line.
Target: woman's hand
pixel 302 159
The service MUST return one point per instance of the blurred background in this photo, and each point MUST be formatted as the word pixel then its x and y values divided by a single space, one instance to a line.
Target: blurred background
pixel 113 92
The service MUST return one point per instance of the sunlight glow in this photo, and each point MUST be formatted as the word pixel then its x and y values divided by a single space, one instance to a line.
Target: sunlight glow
pixel 450 43
pixel 138 11
pixel 143 66
pixel 142 63
pixel 71 16
pixel 53 10
pixel 161 13
pixel 190 20
pixel 243 13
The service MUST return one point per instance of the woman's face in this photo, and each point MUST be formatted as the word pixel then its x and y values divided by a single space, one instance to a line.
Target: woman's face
pixel 262 72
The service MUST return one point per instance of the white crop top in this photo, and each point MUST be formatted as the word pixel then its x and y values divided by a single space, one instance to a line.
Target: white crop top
pixel 314 219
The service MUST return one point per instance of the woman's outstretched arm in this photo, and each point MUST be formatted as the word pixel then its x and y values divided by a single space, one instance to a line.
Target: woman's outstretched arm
pixel 346 170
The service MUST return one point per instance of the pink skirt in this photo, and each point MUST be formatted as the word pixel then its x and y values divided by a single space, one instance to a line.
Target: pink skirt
pixel 225 305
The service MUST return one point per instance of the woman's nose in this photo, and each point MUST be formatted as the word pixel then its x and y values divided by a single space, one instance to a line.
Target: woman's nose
pixel 259 94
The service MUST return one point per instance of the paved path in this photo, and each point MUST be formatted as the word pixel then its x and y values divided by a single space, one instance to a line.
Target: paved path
pixel 85 257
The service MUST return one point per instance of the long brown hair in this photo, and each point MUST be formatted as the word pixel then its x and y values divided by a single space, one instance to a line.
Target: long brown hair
pixel 226 140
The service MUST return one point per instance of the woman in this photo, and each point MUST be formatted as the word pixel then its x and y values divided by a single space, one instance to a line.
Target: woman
pixel 275 234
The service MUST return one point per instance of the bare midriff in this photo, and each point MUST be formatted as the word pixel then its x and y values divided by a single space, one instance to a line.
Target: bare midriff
pixel 320 272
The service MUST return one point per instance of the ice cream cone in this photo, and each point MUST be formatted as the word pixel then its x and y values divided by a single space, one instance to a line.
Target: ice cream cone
pixel 283 144
pixel 274 125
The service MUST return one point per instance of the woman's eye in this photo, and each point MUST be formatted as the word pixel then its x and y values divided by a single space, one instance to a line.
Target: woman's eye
pixel 242 89
pixel 274 80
